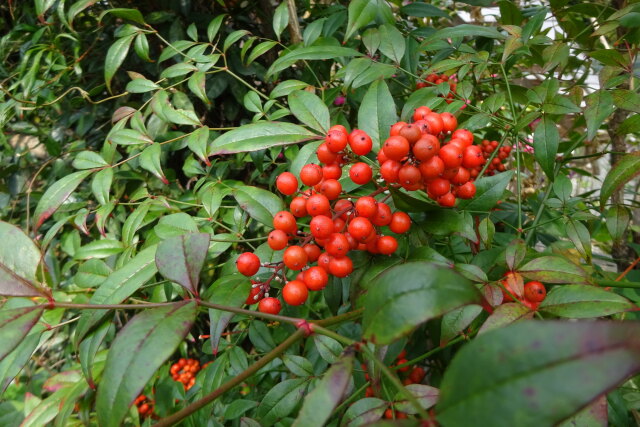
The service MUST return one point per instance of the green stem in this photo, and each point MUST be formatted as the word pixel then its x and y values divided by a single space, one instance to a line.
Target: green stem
pixel 615 284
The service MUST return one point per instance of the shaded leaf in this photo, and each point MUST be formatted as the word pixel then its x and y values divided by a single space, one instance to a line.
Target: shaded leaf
pixel 617 219
pixel 231 290
pixel 19 261
pixel 115 57
pixel 546 139
pixel 363 412
pixel 599 107
pixel 627 168
pixel 456 321
pixel 504 315
pixel 280 401
pixel 310 53
pixel 180 259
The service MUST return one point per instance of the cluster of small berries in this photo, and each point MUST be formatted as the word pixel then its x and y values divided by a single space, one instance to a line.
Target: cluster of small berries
pixel 337 225
pixel 498 163
pixel 184 371
pixel 145 406
pixel 435 79
pixel 533 292
pixel 417 156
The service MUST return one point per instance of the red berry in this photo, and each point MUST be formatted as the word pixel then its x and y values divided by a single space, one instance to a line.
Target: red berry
pixel 287 183
pixel 313 252
pixel 338 245
pixel 336 141
pixel 298 207
pixel 295 292
pixel 534 291
pixel 341 267
pixel 248 264
pixel 360 228
pixel 295 258
pixel 472 157
pixel 410 132
pixel 387 245
pixel 269 305
pixel 325 155
pixel 466 191
pixel 434 123
pixel 409 175
pixel 321 226
pixel 420 113
pixel 316 278
pixel 451 156
pixel 439 187
pixel 311 174
pixel 360 173
pixel 396 147
pixel 331 188
pixel 461 177
pixel 255 295
pixel 432 168
pixel 464 135
pixel 400 223
pixel 318 204
pixel 285 221
pixel 389 171
pixel 383 215
pixel 332 171
pixel 449 122
pixel 360 142
pixel 395 128
pixel 417 375
pixel 277 240
pixel 343 208
pixel 426 147
pixel 366 206
pixel 447 201
pixel 323 261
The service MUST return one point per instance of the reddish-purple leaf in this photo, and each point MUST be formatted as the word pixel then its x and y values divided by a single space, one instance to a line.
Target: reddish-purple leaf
pixel 426 395
pixel 56 195
pixel 19 261
pixel 180 259
pixel 15 324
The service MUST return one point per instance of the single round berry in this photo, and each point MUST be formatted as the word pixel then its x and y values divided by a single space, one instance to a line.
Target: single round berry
pixel 389 171
pixel 287 183
pixel 313 252
pixel 434 123
pixel 332 171
pixel 472 157
pixel 396 147
pixel 465 135
pixel 417 375
pixel 295 292
pixel 360 228
pixel 331 188
pixel 410 132
pixel 432 168
pixel 339 128
pixel 395 128
pixel 400 223
pixel 341 267
pixel 451 156
pixel 270 305
pixel 285 221
pixel 439 187
pixel 316 278
pixel 366 206
pixel 360 173
pixel 298 207
pixel 323 261
pixel 325 155
pixel 461 177
pixel 387 245
pixel 295 258
pixel 360 142
pixel 248 264
pixel 447 200
pixel 449 122
pixel 277 240
pixel 318 204
pixel 321 226
pixel 426 147
pixel 420 113
pixel 534 291
pixel 408 175
pixel 311 174
pixel 337 245
pixel 336 141
pixel 383 215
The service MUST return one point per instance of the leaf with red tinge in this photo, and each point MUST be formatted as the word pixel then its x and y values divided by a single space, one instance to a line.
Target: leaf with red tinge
pixel 180 259
pixel 320 403
pixel 15 324
pixel 426 395
pixel 515 253
pixel 622 172
pixel 261 135
pixel 536 373
pixel 594 415
pixel 140 348
pixel 150 160
pixel 504 315
pixel 19 261
pixel 230 290
pixel 583 301
pixel 364 411
pixel 553 269
pixel 56 195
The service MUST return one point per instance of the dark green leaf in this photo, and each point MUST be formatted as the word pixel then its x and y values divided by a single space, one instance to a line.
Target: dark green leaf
pixel 582 301
pixel 310 110
pixel 489 191
pixel 622 172
pixel 280 19
pixel 626 99
pixel 546 139
pixel 377 113
pixel 180 259
pixel 456 320
pixel 536 373
pixel 214 26
pixel 90 346
pixel 130 14
pixel 617 219
pixel 298 365
pixel 361 13
pixel 258 136
pixel 504 315
pixel 407 295
pixel 310 53
pixel 422 10
pixel 328 348
pixel 140 348
pixel 466 30
pixel 280 401
pixel 197 142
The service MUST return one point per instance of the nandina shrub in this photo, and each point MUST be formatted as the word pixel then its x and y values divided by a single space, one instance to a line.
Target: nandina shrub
pixel 310 214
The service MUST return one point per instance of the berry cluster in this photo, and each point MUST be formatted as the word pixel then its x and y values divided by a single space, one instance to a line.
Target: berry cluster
pixel 497 163
pixel 534 291
pixel 336 225
pixel 145 406
pixel 435 79
pixel 417 156
pixel 184 371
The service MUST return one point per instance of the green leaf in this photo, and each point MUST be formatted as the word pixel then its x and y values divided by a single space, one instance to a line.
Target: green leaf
pixel 514 253
pixel 134 222
pixel 489 190
pixel 178 70
pixel 141 86
pixel 609 57
pixel 280 19
pixel 92 273
pixel 231 290
pixel 12 364
pixel 211 197
pixel 196 85
pixel 422 10
pixel 486 231
pixel 504 315
pixel 56 195
pixel 377 113
pixel 140 348
pixel 320 403
pixel 466 30
pixel 310 53
pixel 214 26
pixel 361 13
pixel 409 294
pixel 120 285
pixel 101 185
pixel 560 105
pixel 233 37
pixel 15 324
pixel 579 235
pixel 260 50
pixel 627 168
pixel 89 348
pixel 298 365
pixel 258 136
pixel 130 14
pixel 553 269
pixel 175 225
pixel 88 160
pixel 536 373
pixel 261 205
pixel 328 348
pixel 364 412
pixel 260 337
pixel 141 47
pixel 426 96
pixel 129 137
pixel 456 321
pixel 115 57
pixel 197 142
pixel 180 259
pixel 99 249
pixel 392 43
pixel 617 220
pixel 546 139
pixel 238 407
pixel 286 87
pixel 582 301
pixel 19 261
pixel 281 400
pixel 310 110
pixel 150 161
pixel 630 125
pixel 626 99
pixel 426 395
